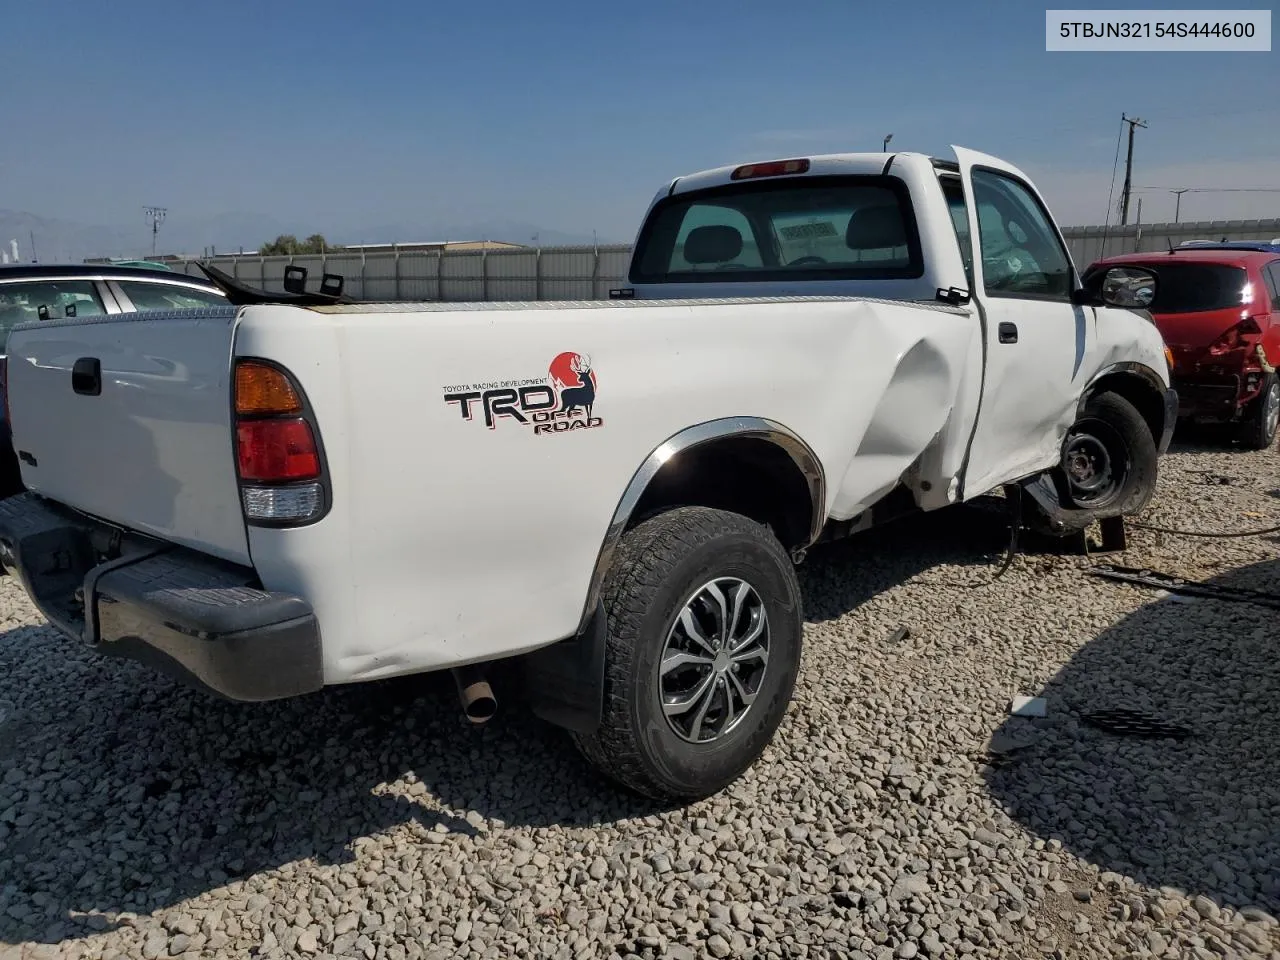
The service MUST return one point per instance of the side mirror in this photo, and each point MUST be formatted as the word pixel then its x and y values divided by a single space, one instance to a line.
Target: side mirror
pixel 1132 288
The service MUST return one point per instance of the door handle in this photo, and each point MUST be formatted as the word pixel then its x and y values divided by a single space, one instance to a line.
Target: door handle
pixel 86 376
pixel 1008 332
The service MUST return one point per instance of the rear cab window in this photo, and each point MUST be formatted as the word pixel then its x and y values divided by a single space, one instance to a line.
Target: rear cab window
pixel 797 228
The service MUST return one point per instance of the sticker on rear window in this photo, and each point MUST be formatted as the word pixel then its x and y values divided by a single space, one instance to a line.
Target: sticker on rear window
pixel 808 231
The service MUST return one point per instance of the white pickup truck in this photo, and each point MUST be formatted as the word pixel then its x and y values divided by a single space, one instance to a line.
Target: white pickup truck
pixel 273 497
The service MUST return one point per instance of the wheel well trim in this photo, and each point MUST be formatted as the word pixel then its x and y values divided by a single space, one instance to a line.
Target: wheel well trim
pixel 709 431
pixel 1130 368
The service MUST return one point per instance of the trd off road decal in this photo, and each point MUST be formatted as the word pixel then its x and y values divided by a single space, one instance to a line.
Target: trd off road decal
pixel 556 403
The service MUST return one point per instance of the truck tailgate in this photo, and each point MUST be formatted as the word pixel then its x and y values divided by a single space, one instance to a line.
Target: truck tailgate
pixel 128 418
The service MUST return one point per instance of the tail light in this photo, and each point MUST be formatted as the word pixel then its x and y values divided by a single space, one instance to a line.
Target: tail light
pixel 278 456
pixel 1243 335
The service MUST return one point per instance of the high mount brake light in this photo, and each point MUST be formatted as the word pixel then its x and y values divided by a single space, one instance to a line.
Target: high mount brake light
pixel 278 456
pixel 774 168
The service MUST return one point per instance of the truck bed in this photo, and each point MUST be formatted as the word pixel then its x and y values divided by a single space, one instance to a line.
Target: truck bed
pixel 458 530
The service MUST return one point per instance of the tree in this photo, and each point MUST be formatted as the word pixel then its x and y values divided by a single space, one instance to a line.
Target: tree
pixel 287 244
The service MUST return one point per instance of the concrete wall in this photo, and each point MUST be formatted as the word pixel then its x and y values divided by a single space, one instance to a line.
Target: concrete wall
pixel 587 273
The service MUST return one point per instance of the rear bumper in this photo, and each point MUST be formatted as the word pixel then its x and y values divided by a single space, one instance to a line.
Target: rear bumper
pixel 10 471
pixel 1213 397
pixel 200 619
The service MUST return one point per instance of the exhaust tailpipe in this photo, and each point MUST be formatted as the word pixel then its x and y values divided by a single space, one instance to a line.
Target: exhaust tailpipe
pixel 478 701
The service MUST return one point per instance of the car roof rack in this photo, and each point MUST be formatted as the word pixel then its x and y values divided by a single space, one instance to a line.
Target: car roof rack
pixel 295 279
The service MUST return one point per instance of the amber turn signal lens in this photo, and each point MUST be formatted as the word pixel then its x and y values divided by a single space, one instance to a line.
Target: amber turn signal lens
pixel 261 389
pixel 1168 357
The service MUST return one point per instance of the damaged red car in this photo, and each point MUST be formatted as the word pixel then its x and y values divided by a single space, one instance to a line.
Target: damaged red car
pixel 1218 308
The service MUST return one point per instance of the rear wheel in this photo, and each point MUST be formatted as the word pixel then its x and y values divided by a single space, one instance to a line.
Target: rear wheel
pixel 1109 458
pixel 1259 430
pixel 704 639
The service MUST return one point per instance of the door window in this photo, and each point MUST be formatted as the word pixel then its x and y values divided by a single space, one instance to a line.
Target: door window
pixel 1271 273
pixel 148 295
pixel 953 190
pixel 1021 254
pixel 20 302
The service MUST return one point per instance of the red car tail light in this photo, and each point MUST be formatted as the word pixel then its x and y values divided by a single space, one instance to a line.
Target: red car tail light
pixel 1238 337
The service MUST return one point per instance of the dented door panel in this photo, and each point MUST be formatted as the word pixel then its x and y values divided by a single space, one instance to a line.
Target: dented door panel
pixel 1037 342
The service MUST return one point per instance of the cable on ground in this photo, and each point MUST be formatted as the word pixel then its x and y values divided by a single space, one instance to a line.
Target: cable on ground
pixel 1214 534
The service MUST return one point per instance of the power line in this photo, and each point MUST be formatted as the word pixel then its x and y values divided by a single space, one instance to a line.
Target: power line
pixel 1215 115
pixel 1087 125
pixel 1133 123
pixel 1106 229
pixel 1213 189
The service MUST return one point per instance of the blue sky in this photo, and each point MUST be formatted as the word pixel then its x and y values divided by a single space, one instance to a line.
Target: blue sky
pixel 341 117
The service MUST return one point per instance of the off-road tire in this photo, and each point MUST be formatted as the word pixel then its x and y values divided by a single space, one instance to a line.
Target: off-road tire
pixel 1129 439
pixel 1255 433
pixel 657 567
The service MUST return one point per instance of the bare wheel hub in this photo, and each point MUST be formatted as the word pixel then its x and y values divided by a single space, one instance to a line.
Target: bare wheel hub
pixel 1090 470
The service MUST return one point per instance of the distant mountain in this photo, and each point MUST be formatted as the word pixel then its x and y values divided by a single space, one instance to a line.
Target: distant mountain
pixel 58 241
pixel 68 241
pixel 428 231
pixel 55 241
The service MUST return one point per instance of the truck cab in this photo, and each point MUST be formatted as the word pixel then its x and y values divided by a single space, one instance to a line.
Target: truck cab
pixel 857 224
pixel 972 232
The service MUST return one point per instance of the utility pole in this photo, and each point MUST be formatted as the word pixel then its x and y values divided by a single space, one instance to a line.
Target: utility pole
pixel 156 216
pixel 884 147
pixel 1133 122
pixel 1177 204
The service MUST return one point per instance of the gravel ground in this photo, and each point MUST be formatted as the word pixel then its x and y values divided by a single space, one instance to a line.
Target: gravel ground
pixel 900 813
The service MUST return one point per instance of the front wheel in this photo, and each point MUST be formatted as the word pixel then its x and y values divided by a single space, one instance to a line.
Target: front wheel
pixel 704 637
pixel 1259 431
pixel 1109 459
